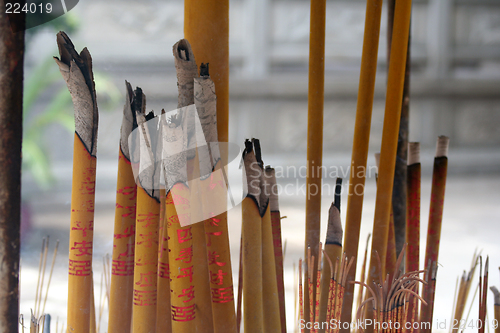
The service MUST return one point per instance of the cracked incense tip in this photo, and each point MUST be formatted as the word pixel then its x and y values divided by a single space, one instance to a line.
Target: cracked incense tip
pixel 334 230
pixel 76 70
pixel 413 153
pixel 252 173
pixel 442 146
pixel 496 294
pixel 186 69
pixel 129 121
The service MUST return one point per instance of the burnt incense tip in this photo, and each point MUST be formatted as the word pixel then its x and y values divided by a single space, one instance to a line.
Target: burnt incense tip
pixel 183 49
pixel 258 152
pixel 442 146
pixel 413 153
pixel 248 147
pixel 204 69
pixel 496 294
pixel 334 230
pixel 338 191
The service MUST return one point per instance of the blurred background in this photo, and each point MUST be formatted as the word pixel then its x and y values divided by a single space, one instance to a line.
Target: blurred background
pixel 455 91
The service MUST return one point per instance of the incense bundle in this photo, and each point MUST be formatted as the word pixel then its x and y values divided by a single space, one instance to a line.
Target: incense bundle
pixel 278 248
pixel 76 70
pixel 122 272
pixel 147 220
pixel 360 143
pixel 251 233
pixel 389 137
pixel 315 104
pixel 435 218
pixel 333 251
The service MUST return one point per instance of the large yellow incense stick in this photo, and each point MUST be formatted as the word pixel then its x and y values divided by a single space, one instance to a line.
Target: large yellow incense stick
pixel 315 101
pixel 206 26
pixel 272 317
pixel 147 219
pixel 122 271
pixel 333 251
pixel 394 95
pixel 360 144
pixel 187 71
pixel 251 230
pixel 76 70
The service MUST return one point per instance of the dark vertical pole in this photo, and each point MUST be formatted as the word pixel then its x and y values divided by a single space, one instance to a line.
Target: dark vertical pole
pixel 399 189
pixel 11 107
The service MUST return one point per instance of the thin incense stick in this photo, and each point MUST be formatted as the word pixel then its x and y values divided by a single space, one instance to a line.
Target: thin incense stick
pixel 360 144
pixel 389 136
pixel 301 297
pixel 435 213
pixel 333 250
pixel 252 246
pixel 496 310
pixel 122 272
pixel 278 249
pixel 315 103
pixel 272 315
pixel 76 70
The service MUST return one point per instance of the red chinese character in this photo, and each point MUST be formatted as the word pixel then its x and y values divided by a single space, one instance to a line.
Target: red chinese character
pixel 163 270
pixel 148 218
pixel 213 184
pixel 188 293
pixel 187 272
pixel 222 295
pixel 144 297
pixel 214 222
pixel 147 239
pixel 130 252
pixel 131 210
pixel 128 232
pixel 184 235
pixel 122 267
pixel 147 279
pixel 84 226
pixel 79 267
pixel 212 259
pixel 217 278
pixel 172 220
pixel 186 255
pixel 183 313
pixel 178 200
pixel 127 190
pixel 83 247
pixel 210 234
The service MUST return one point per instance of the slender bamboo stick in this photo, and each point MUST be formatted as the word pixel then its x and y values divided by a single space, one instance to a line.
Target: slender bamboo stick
pixel 413 208
pixel 333 250
pixel 11 133
pixel 252 247
pixel 122 271
pixel 278 249
pixel 76 70
pixel 360 144
pixel 389 136
pixel 483 299
pixel 315 101
pixel 435 216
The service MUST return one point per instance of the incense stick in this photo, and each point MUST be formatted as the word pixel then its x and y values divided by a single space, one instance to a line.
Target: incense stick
pixel 76 70
pixel 315 103
pixel 360 143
